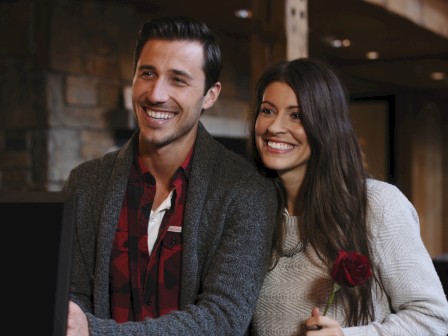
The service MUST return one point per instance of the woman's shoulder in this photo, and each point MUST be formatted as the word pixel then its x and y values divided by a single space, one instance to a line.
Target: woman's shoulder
pixel 381 191
pixel 378 185
pixel 388 201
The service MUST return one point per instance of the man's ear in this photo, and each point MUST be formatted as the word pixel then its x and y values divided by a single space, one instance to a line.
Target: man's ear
pixel 211 96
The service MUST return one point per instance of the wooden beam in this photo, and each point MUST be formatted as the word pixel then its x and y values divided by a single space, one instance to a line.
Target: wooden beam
pixel 429 14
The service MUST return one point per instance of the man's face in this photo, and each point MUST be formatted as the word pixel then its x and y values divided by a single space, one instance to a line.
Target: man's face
pixel 168 92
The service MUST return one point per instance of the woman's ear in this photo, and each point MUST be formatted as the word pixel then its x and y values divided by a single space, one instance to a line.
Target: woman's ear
pixel 211 96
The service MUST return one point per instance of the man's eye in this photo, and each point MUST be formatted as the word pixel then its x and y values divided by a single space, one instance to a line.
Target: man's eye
pixel 148 74
pixel 179 81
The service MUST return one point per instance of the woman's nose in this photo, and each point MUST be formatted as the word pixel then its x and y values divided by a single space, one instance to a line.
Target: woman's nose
pixel 277 125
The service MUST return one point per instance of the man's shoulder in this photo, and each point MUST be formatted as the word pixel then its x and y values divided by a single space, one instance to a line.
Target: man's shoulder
pixel 212 159
pixel 102 160
pixel 234 162
pixel 235 170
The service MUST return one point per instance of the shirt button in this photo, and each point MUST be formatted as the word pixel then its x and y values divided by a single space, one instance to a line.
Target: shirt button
pixel 148 303
pixel 173 241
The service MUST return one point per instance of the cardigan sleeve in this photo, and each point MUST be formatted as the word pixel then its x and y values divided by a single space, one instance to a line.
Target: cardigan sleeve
pixel 417 303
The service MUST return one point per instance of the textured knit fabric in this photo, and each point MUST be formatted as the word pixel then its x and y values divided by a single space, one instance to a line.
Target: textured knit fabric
pixel 226 236
pixel 413 302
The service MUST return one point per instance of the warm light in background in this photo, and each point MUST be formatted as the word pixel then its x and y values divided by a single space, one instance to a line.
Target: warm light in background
pixel 337 43
pixel 438 75
pixel 372 55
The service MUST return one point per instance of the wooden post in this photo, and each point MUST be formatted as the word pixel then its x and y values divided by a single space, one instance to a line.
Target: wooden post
pixel 279 32
pixel 296 13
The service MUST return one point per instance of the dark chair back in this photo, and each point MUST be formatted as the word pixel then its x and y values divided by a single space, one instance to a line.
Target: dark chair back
pixel 441 265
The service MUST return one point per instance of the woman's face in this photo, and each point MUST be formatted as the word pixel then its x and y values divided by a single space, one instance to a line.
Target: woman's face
pixel 279 134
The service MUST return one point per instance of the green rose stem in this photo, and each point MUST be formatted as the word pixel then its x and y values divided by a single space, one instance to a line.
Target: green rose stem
pixel 336 287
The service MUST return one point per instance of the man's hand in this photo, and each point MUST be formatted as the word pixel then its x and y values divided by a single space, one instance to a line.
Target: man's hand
pixel 77 324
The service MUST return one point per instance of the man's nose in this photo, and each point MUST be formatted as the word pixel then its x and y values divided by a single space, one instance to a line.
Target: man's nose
pixel 158 91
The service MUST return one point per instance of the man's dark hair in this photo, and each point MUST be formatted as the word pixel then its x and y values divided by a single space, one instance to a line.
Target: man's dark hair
pixel 184 28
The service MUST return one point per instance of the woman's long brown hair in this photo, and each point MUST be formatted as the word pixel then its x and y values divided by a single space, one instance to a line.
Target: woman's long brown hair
pixel 334 193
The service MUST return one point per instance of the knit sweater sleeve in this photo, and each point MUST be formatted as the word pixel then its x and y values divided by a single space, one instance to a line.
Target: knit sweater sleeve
pixel 417 303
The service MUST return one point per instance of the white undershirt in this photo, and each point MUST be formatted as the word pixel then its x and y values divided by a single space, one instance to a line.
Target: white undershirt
pixel 155 219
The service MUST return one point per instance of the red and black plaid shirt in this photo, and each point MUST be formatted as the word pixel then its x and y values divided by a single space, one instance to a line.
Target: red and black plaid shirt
pixel 144 285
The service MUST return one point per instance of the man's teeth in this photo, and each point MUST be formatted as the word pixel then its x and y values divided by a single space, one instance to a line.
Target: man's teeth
pixel 159 115
pixel 279 145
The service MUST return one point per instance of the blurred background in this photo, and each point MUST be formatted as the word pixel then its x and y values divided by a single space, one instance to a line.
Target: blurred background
pixel 65 74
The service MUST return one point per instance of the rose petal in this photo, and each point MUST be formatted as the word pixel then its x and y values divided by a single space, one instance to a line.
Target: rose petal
pixel 351 269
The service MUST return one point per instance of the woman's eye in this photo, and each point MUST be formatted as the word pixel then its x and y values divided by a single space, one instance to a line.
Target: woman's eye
pixel 266 111
pixel 297 116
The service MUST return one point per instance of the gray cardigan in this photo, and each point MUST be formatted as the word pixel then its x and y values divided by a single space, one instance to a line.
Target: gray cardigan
pixel 227 230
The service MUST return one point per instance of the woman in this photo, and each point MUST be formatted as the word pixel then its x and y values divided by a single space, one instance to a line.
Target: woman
pixel 301 136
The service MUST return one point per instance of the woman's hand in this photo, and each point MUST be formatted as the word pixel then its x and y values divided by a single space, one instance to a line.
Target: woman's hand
pixel 319 325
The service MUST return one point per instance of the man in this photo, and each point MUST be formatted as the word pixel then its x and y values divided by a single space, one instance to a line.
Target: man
pixel 174 230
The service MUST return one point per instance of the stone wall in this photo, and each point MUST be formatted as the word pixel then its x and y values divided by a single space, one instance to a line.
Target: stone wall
pixel 64 67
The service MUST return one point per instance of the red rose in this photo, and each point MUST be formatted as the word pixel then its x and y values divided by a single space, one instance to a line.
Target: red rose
pixel 351 269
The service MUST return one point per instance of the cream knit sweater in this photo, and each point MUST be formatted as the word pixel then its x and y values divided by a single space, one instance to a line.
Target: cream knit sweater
pixel 413 301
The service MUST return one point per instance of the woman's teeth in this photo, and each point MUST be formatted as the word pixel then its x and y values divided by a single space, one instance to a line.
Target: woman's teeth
pixel 279 145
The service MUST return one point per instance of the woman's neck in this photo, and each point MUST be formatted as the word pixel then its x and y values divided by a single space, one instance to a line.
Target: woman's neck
pixel 294 198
